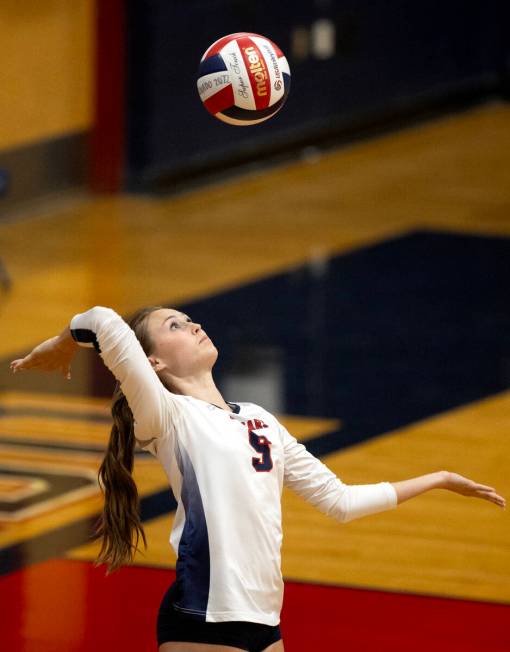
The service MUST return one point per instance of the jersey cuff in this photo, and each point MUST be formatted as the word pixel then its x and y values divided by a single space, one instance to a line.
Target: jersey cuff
pixel 391 493
pixel 83 336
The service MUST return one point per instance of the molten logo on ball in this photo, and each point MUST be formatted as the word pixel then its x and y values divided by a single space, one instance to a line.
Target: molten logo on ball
pixel 243 79
pixel 258 70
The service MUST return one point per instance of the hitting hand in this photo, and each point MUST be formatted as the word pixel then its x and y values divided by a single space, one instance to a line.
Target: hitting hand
pixel 54 354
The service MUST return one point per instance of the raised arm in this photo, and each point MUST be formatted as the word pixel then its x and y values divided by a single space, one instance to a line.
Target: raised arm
pixel 103 329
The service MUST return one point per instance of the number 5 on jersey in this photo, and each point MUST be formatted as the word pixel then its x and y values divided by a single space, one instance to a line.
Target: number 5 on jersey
pixel 263 447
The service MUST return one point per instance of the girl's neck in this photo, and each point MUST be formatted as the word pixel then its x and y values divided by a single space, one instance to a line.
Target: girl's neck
pixel 203 388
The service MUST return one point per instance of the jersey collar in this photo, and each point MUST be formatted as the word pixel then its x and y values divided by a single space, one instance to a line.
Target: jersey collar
pixel 235 408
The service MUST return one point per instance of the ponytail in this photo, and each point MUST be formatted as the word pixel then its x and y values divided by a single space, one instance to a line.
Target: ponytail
pixel 120 526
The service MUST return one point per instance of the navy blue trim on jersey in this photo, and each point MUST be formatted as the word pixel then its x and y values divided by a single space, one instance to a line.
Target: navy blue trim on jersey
pixel 212 64
pixel 193 559
pixel 85 336
pixel 235 408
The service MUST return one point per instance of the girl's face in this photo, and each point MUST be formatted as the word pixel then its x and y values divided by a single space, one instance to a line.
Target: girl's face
pixel 180 347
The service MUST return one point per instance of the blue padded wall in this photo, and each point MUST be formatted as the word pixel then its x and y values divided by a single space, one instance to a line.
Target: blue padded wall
pixel 389 55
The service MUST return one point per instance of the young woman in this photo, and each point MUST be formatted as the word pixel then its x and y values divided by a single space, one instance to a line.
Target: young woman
pixel 227 464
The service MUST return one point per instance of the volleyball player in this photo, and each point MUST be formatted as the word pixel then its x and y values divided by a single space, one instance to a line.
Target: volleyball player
pixel 226 463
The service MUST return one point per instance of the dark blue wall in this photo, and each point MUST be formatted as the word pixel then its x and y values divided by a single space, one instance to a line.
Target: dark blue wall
pixel 390 55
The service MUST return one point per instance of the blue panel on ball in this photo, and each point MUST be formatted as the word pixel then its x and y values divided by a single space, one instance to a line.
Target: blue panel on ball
pixel 210 65
pixel 286 84
pixel 237 113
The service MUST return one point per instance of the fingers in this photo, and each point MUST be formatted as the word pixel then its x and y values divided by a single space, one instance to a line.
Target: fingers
pixel 492 497
pixel 498 500
pixel 483 487
pixel 17 365
pixel 483 491
pixel 22 364
pixel 29 362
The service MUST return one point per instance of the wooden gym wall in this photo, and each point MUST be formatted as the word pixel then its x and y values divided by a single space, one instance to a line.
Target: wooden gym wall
pixel 46 98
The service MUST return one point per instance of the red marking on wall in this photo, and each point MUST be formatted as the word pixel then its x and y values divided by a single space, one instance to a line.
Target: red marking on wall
pixel 107 138
pixel 72 606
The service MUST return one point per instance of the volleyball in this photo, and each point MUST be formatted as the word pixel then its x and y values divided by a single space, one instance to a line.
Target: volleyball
pixel 243 79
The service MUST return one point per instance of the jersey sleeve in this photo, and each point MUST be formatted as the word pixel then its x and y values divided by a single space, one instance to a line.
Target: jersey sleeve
pixel 311 479
pixel 116 343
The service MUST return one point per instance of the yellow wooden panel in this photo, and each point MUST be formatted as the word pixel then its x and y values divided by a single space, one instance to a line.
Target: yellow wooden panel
pixel 148 475
pixel 53 430
pixel 47 75
pixel 436 543
pixel 306 428
pixel 74 429
pixel 40 400
pixel 56 429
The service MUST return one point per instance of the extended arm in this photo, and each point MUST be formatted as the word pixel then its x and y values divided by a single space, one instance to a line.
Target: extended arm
pixel 312 480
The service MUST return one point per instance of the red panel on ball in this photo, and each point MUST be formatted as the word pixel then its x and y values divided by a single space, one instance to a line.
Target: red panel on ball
pixel 257 72
pixel 277 50
pixel 220 101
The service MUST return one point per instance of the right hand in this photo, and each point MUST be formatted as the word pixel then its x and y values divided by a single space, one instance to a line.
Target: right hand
pixel 54 354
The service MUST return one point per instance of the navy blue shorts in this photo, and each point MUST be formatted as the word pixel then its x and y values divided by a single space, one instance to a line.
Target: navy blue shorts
pixel 176 626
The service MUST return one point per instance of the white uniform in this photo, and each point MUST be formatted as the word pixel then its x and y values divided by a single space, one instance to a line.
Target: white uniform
pixel 227 471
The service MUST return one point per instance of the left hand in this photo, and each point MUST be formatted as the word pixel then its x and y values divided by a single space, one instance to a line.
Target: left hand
pixel 466 487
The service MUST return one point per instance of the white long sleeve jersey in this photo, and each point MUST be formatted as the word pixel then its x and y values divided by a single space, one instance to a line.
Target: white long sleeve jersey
pixel 227 471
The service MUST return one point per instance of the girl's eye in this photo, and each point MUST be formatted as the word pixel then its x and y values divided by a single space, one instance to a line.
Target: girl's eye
pixel 177 324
